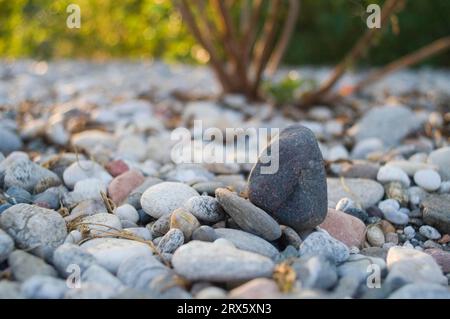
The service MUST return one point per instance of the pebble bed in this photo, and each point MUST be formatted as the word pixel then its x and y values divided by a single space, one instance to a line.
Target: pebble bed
pixel 87 184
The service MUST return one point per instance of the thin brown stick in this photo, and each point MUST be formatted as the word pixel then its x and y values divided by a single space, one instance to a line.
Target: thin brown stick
pixel 265 46
pixel 288 29
pixel 249 34
pixel 408 60
pixel 205 42
pixel 230 41
pixel 364 42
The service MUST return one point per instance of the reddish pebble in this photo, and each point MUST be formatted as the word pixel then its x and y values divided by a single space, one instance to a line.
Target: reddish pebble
pixel 442 258
pixel 259 288
pixel 445 239
pixel 344 227
pixel 116 168
pixel 121 186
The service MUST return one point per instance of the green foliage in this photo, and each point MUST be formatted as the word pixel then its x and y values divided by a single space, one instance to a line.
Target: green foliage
pixel 152 28
pixel 288 89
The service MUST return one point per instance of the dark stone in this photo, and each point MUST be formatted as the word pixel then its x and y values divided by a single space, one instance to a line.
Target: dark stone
pixel 296 194
pixel 436 212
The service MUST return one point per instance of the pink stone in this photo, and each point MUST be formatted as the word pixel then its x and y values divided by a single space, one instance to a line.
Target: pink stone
pixel 442 258
pixel 116 168
pixel 121 186
pixel 259 288
pixel 344 227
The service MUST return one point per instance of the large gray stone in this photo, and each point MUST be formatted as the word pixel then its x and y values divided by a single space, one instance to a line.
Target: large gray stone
pixel 390 124
pixel 363 191
pixel 436 212
pixel 296 193
pixel 199 260
pixel 38 229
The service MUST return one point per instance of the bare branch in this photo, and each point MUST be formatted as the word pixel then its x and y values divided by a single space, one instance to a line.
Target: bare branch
pixel 288 29
pixel 265 45
pixel 408 60
pixel 389 8
pixel 230 41
pixel 250 33
pixel 205 42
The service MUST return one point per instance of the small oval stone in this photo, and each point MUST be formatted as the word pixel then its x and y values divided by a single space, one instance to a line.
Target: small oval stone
pixel 375 236
pixel 428 179
pixel 171 241
pixel 205 208
pixel 184 221
pixel 163 198
pixel 429 232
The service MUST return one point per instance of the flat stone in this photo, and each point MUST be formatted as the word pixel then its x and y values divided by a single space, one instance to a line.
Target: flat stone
pixel 435 211
pixel 410 167
pixel 163 198
pixel 24 265
pixel 139 271
pixel 99 275
pixel 199 260
pixel 249 217
pixel 38 229
pixel 295 194
pixel 363 191
pixel 110 252
pixel 344 227
pixel 122 185
pixel 321 243
pixel 413 266
pixel 246 241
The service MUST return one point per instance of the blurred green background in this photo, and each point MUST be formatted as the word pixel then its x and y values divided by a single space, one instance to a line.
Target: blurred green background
pixel 152 28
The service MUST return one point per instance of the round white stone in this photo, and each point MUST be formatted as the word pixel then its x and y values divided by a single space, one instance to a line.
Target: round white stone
pixel 428 179
pixel 163 198
pixel 388 174
pixel 127 212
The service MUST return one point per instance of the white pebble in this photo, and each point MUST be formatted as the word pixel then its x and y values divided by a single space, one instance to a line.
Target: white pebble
pixel 427 179
pixel 409 232
pixel 388 174
pixel 127 212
